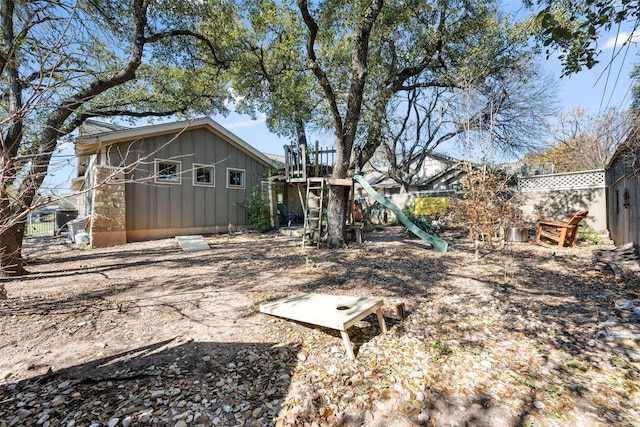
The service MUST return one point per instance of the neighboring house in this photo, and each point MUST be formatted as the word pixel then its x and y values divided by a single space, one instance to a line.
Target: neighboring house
pixel 438 173
pixel 623 192
pixel 164 180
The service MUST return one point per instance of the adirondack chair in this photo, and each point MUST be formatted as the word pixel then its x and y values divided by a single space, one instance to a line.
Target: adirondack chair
pixel 556 233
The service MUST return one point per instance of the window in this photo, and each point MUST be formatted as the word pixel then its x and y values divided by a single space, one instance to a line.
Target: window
pixel 204 175
pixel 168 171
pixel 235 178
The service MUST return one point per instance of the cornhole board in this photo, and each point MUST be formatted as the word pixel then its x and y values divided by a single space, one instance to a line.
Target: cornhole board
pixel 192 243
pixel 331 311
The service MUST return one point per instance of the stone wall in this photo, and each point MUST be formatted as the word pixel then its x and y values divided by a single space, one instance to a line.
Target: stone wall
pixel 108 217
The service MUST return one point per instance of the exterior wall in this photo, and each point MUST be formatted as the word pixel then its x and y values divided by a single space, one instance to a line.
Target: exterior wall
pixel 159 209
pixel 404 201
pixel 623 195
pixel 430 167
pixel 555 196
pixel 558 196
pixel 108 219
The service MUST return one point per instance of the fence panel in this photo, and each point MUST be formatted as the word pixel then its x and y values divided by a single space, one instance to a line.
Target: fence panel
pixel 36 227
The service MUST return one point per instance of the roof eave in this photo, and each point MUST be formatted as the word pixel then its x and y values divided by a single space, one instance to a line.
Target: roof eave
pixel 91 144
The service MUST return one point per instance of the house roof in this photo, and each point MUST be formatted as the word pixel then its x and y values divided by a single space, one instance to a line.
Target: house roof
pixel 630 144
pixel 91 144
pixel 91 126
pixel 279 160
pixel 381 180
pixel 384 182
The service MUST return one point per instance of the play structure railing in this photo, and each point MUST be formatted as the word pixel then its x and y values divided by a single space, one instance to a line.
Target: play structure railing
pixel 302 162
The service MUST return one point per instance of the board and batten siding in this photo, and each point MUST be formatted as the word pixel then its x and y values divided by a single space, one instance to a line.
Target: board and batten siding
pixel 623 199
pixel 156 210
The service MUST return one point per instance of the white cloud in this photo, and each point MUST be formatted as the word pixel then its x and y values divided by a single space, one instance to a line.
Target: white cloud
pixel 245 123
pixel 620 39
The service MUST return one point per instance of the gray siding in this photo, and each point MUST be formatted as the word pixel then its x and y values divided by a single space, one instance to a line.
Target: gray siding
pixel 152 205
pixel 623 218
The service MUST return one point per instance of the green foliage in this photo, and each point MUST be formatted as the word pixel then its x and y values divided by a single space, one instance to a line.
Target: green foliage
pixel 526 381
pixel 423 222
pixel 443 348
pixel 554 391
pixel 578 365
pixel 258 209
pixel 574 26
pixel 588 234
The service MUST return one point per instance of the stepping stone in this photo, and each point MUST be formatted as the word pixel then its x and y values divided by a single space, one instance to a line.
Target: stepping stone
pixel 192 243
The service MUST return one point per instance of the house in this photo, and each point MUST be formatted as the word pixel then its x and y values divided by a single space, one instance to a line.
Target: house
pixel 438 173
pixel 437 178
pixel 164 180
pixel 623 192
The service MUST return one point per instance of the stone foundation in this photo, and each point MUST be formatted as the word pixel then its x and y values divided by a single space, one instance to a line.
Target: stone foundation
pixel 108 219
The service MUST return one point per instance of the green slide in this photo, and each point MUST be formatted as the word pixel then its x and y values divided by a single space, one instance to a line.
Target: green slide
pixel 437 243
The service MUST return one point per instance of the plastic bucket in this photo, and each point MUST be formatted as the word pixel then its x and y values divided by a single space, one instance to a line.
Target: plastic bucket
pixel 82 238
pixel 516 234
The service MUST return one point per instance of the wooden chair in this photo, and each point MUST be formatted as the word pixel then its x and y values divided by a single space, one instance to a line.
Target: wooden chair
pixel 556 233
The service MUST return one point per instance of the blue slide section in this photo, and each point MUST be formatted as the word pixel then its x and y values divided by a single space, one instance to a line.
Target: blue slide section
pixel 438 244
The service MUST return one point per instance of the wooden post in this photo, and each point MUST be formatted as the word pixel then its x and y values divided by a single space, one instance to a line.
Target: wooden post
pixel 317 164
pixel 303 162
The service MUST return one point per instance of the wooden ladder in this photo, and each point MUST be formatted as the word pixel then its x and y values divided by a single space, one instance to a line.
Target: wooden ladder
pixel 314 210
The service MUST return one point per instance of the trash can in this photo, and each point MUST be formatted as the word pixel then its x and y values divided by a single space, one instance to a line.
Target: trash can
pixel 76 226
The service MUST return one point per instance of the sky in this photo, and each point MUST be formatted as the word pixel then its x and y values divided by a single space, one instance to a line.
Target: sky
pixel 606 85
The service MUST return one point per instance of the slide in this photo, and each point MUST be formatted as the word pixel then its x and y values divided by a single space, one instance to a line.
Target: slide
pixel 437 243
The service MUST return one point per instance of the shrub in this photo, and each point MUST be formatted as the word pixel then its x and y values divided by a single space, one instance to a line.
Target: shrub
pixel 258 210
pixel 423 222
pixel 589 235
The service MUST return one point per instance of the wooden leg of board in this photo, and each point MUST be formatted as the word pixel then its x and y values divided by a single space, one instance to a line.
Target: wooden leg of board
pixel 383 325
pixel 347 344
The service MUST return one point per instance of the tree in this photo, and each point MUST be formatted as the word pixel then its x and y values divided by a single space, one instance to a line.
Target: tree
pixel 635 89
pixel 486 205
pixel 511 110
pixel 346 116
pixel 573 26
pixel 270 75
pixel 582 141
pixel 365 53
pixel 65 61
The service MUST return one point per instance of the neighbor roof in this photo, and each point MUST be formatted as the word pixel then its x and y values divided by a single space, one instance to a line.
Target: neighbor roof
pixel 91 144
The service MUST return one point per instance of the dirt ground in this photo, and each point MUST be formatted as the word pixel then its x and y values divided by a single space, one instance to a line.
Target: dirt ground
pixel 146 334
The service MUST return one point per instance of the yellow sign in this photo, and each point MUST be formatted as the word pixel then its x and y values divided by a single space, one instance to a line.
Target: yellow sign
pixel 431 205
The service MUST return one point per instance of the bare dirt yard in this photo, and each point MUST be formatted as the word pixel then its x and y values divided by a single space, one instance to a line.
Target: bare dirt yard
pixel 146 334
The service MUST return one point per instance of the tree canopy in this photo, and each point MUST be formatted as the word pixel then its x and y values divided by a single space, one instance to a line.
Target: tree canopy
pixel 357 60
pixel 583 141
pixel 573 27
pixel 65 61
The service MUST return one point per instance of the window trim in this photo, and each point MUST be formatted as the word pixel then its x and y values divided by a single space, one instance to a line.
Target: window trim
pixel 244 178
pixel 157 179
pixel 197 183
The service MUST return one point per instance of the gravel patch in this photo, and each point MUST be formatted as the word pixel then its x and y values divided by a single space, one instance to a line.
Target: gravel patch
pixel 145 334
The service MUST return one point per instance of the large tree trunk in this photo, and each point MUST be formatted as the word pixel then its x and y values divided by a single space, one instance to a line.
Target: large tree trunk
pixel 345 127
pixel 339 196
pixel 11 252
pixel 336 215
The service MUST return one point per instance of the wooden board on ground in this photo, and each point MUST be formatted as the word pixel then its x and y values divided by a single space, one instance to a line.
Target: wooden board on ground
pixel 332 311
pixel 192 243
